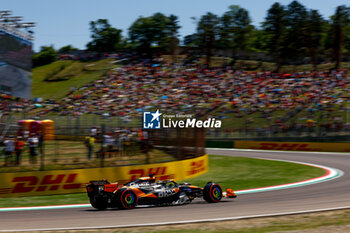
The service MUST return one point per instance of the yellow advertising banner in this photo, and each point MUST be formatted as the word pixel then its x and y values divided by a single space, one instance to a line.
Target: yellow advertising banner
pixel 294 146
pixel 73 181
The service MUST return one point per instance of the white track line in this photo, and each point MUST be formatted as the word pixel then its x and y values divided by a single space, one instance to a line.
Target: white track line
pixel 49 207
pixel 180 222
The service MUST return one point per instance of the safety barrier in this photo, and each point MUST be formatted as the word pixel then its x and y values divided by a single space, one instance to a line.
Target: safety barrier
pixel 294 146
pixel 73 181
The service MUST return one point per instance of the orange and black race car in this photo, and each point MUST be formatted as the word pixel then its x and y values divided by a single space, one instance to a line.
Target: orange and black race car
pixel 146 191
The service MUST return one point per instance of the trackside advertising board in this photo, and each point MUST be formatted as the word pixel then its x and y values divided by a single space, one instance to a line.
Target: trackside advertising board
pixel 73 181
pixel 294 146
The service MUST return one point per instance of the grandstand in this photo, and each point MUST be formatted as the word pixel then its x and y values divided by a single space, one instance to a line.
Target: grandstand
pixel 15 55
pixel 248 103
pixel 15 61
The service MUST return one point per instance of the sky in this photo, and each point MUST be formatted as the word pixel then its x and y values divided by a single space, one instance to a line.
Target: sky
pixel 64 22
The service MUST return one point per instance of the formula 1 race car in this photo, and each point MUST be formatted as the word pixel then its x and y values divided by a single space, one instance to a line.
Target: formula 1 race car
pixel 146 191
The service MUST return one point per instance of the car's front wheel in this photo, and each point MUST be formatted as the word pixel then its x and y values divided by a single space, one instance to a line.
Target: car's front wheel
pixel 212 193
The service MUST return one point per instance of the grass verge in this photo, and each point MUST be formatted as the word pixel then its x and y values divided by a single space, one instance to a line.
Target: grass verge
pixel 230 172
pixel 245 173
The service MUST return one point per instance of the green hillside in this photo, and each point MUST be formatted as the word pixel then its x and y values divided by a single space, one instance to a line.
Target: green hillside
pixel 56 79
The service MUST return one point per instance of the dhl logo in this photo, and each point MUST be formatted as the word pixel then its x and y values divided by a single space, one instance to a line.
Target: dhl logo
pixel 196 167
pixel 25 184
pixel 285 146
pixel 159 172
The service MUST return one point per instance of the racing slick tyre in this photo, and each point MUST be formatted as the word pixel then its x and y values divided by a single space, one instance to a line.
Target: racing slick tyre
pixel 212 193
pixel 126 199
pixel 99 203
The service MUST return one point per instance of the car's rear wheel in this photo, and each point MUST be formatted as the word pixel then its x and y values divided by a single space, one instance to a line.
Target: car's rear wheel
pixel 126 199
pixel 212 193
pixel 98 203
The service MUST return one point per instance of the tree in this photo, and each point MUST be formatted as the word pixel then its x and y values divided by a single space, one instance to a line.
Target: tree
pixel 315 25
pixel 208 33
pixel 275 28
pixel 296 31
pixel 46 56
pixel 191 40
pixel 140 33
pixel 67 49
pixel 235 28
pixel 172 28
pixel 347 40
pixel 156 30
pixel 339 21
pixel 105 38
pixel 159 28
pixel 259 41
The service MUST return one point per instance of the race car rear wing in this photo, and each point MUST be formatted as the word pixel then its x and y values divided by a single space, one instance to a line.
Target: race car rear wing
pixel 99 182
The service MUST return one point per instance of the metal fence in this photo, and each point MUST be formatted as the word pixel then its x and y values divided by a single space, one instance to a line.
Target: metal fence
pixel 112 146
pixel 69 150
pixel 80 125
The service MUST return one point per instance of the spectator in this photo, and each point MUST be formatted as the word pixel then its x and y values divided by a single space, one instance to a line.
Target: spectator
pixel 127 142
pixel 9 149
pixel 19 146
pixel 90 143
pixel 41 144
pixel 144 141
pixel 33 144
pixel 93 131
pixel 110 143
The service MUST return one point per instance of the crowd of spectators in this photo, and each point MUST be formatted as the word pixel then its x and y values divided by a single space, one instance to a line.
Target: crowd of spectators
pixel 116 142
pixel 195 89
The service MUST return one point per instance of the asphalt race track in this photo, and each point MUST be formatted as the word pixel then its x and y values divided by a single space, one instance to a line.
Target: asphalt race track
pixel 330 194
